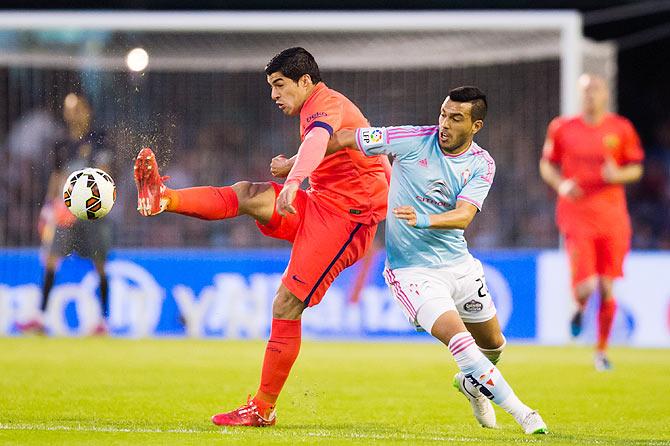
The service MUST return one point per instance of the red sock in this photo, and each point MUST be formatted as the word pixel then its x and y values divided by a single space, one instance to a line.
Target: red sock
pixel 280 354
pixel 606 314
pixel 207 202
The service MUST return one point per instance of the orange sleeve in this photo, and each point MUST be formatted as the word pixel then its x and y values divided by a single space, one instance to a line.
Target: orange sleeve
pixel 326 113
pixel 552 151
pixel 632 148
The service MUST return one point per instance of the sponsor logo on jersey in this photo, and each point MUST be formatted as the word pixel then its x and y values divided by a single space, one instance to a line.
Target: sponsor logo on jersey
pixel 376 135
pixel 316 115
pixel 371 136
pixel 473 306
pixel 432 201
pixel 298 279
pixel 437 187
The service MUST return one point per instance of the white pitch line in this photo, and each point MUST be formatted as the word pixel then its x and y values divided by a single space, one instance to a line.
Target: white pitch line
pixel 230 431
pixel 41 427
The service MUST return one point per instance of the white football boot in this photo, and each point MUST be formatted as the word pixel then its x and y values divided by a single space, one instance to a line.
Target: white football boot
pixel 482 408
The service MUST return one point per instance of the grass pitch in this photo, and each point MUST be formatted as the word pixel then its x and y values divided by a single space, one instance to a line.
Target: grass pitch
pixel 118 391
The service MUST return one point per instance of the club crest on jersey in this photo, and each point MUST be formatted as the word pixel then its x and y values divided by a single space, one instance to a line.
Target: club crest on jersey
pixel 316 115
pixel 465 176
pixel 473 306
pixel 611 141
pixel 423 163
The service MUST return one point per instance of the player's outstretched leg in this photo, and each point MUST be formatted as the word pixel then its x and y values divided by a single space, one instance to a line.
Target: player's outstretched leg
pixel 206 202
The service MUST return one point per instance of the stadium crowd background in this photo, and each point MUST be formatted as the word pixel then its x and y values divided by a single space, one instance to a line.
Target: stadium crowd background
pixel 234 134
pixel 220 127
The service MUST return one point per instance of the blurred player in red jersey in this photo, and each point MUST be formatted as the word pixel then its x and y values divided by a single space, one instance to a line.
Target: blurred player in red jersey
pixel 587 159
pixel 331 225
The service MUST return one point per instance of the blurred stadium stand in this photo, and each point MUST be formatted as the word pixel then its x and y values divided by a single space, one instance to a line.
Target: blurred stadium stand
pixel 204 106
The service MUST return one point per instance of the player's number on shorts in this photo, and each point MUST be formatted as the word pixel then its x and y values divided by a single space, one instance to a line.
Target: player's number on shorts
pixel 483 289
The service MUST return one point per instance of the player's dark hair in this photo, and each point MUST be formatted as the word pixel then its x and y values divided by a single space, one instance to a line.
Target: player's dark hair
pixel 294 63
pixel 474 96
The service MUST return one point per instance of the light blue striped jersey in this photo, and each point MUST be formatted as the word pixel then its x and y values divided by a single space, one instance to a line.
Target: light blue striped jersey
pixel 430 181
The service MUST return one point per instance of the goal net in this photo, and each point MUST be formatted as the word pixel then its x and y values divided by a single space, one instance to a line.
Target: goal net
pixel 203 102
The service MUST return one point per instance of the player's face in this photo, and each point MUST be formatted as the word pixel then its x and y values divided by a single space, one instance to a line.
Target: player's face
pixel 594 94
pixel 456 126
pixel 288 94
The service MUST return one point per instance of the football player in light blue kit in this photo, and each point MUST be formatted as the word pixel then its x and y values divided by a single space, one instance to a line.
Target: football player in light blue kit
pixel 439 181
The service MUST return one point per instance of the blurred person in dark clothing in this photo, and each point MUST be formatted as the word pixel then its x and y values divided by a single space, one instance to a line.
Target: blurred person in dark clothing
pixel 60 232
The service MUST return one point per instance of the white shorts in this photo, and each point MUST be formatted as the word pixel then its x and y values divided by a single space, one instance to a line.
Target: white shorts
pixel 424 294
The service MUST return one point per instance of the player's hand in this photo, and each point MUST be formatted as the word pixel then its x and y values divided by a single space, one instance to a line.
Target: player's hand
pixel 569 189
pixel 610 171
pixel 407 213
pixel 280 166
pixel 286 197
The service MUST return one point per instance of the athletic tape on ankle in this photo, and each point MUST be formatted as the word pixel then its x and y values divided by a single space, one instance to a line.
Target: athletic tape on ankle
pixel 493 354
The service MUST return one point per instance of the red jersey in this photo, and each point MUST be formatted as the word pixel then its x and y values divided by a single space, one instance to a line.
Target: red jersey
pixel 580 151
pixel 346 182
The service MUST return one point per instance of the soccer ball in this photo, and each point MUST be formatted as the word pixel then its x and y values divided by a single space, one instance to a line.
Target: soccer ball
pixel 89 193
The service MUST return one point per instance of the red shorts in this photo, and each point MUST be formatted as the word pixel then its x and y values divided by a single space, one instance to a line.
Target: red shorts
pixel 324 244
pixel 601 255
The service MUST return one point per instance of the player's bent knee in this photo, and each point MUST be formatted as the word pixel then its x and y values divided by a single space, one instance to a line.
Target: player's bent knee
pixel 245 190
pixel 493 354
pixel 286 305
pixel 586 288
pixel 606 287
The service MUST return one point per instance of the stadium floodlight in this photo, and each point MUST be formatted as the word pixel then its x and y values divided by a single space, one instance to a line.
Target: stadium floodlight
pixel 137 59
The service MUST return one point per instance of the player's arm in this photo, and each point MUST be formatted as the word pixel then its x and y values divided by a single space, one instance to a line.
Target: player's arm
pixel 458 218
pixel 551 174
pixel 631 169
pixel 347 138
pixel 468 202
pixel 280 166
pixel 550 171
pixel 341 140
pixel 614 174
pixel 310 154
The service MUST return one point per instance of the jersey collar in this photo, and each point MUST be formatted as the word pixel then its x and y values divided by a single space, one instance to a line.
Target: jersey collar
pixel 460 154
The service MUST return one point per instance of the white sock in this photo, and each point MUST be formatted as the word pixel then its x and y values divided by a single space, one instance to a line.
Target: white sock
pixel 485 376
